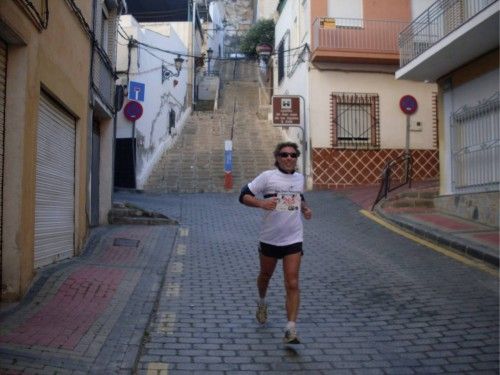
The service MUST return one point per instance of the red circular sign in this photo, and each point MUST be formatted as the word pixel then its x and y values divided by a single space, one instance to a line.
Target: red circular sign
pixel 408 104
pixel 133 110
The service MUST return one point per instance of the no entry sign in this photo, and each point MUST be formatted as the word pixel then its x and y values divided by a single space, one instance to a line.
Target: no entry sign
pixel 408 104
pixel 133 110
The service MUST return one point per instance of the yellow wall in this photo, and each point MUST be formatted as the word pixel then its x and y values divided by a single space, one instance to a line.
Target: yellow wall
pixel 57 60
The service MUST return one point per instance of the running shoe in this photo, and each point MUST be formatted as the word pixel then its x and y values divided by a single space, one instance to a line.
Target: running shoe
pixel 261 313
pixel 291 336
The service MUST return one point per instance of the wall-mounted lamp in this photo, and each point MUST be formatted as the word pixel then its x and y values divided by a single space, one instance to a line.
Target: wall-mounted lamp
pixel 210 53
pixel 167 73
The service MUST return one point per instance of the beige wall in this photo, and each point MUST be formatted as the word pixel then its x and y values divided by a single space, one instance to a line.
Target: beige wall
pixel 392 120
pixel 57 60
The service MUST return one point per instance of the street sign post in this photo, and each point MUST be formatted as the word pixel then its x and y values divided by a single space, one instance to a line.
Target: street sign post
pixel 408 104
pixel 286 110
pixel 287 113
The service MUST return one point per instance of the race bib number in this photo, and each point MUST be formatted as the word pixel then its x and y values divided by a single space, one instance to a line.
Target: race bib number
pixel 288 201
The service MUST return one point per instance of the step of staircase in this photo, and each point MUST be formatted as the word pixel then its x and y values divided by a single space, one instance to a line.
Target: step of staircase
pixel 195 163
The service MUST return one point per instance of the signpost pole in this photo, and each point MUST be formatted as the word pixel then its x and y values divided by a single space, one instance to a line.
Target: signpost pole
pixel 286 113
pixel 407 135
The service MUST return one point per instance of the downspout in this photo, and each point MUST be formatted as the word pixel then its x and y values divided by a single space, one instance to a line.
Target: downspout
pixel 90 121
pixel 193 69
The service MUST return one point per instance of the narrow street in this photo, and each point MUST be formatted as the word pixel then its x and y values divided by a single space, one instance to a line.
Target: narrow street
pixel 372 302
pixel 180 299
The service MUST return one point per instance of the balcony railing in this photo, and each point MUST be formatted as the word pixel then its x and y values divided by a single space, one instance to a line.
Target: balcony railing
pixel 357 35
pixel 439 20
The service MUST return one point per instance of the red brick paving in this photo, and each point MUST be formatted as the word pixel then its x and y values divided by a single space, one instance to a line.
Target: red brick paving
pixel 63 320
pixel 445 222
pixel 489 237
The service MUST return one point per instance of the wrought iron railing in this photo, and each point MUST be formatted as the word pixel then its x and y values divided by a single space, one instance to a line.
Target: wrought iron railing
pixel 354 34
pixel 475 144
pixel 439 20
pixel 395 174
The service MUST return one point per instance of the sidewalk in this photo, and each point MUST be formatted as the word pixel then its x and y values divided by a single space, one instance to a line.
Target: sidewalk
pixel 465 236
pixel 88 314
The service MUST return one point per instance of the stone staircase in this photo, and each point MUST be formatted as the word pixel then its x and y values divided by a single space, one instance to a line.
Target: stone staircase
pixel 196 162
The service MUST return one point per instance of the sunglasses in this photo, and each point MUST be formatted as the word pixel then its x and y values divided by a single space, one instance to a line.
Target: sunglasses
pixel 287 154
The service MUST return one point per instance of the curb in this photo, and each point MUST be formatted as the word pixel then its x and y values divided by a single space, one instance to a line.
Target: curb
pixel 436 236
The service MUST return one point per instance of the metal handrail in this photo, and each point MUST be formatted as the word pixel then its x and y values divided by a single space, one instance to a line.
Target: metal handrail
pixel 385 185
pixel 436 22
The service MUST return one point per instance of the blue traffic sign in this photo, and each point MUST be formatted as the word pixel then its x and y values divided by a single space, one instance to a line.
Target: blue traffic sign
pixel 136 91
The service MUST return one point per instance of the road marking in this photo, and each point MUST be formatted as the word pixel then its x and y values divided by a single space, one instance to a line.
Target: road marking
pixel 166 322
pixel 184 232
pixel 449 253
pixel 157 368
pixel 176 267
pixel 172 290
pixel 181 249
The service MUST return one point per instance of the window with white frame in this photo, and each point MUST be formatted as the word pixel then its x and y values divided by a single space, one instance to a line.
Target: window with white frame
pixel 347 13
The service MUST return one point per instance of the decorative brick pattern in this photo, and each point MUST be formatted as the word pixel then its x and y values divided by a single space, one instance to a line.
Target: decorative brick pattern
pixel 335 168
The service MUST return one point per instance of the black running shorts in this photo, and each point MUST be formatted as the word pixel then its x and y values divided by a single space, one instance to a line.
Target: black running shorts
pixel 279 252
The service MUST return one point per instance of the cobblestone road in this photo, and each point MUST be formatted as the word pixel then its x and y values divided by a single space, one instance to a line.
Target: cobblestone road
pixel 181 300
pixel 372 302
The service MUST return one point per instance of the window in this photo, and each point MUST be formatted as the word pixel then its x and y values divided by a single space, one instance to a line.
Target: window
pixel 355 120
pixel 281 61
pixel 104 31
pixel 347 13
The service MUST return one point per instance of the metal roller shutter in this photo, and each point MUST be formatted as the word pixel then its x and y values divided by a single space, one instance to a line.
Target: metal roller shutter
pixel 3 76
pixel 55 184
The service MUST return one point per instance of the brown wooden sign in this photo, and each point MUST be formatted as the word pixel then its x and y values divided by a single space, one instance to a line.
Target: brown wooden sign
pixel 286 110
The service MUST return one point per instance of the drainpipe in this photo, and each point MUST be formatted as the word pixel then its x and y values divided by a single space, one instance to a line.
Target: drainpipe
pixel 88 174
pixel 193 67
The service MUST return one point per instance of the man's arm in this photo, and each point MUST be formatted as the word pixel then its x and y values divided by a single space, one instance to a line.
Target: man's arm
pixel 249 199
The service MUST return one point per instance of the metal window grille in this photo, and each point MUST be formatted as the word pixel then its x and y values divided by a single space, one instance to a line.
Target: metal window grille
pixel 355 120
pixel 475 145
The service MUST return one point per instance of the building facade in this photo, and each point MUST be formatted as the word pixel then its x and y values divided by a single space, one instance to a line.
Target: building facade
pixel 340 57
pixel 455 44
pixel 152 80
pixel 56 108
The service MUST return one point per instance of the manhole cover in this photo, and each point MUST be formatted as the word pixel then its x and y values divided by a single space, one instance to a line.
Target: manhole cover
pixel 125 242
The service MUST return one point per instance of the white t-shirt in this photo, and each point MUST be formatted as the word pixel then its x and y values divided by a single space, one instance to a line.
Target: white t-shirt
pixel 282 226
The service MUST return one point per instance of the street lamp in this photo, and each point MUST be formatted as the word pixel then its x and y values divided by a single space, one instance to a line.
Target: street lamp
pixel 210 53
pixel 167 73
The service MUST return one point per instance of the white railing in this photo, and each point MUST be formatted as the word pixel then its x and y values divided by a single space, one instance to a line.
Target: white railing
pixel 439 20
pixel 475 147
pixel 359 35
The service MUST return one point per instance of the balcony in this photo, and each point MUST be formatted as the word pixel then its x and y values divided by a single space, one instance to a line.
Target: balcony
pixel 446 36
pixel 103 79
pixel 350 40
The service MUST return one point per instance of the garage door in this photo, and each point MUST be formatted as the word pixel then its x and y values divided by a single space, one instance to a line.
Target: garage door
pixel 3 68
pixel 55 184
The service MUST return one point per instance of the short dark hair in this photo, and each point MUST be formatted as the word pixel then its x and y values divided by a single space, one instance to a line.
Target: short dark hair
pixel 281 146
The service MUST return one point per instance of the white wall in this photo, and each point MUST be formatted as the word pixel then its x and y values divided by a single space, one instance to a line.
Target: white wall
pixel 470 93
pixel 296 80
pixel 266 9
pixel 151 130
pixel 392 119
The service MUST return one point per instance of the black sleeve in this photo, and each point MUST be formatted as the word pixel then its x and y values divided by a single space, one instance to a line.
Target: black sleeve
pixel 302 197
pixel 244 191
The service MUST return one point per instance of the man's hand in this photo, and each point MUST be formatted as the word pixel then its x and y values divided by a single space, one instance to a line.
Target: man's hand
pixel 306 211
pixel 269 204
